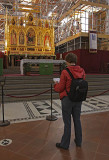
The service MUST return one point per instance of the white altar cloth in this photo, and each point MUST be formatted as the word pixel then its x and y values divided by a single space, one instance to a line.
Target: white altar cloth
pixel 37 61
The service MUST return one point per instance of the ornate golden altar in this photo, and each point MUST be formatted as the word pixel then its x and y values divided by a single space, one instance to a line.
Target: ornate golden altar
pixel 28 36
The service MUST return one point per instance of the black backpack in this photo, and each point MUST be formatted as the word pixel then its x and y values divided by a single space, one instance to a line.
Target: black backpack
pixel 78 89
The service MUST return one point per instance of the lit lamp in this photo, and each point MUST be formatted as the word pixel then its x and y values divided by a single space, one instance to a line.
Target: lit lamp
pixel 3 122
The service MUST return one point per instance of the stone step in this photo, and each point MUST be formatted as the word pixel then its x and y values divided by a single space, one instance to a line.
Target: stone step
pixel 37 81
pixel 34 70
pixel 46 96
pixel 95 79
pixel 26 91
pixel 48 80
pixel 40 97
pixel 98 83
pixel 97 87
pixel 88 77
pixel 25 86
pixel 45 83
pixel 33 85
pixel 97 92
pixel 21 86
pixel 33 77
pixel 37 85
pixel 91 76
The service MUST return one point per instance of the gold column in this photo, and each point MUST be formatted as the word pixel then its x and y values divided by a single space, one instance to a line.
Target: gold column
pixel 12 61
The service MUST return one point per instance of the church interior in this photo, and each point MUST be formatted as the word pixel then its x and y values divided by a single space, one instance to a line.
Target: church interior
pixel 35 37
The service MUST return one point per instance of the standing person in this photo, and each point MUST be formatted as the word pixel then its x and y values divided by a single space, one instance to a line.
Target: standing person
pixel 68 107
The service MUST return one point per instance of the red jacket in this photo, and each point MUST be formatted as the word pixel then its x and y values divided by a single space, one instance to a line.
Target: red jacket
pixel 65 80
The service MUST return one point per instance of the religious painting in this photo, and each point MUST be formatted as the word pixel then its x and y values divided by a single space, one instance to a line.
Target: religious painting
pixel 13 21
pixel 39 23
pixel 39 39
pixel 21 38
pixel 30 17
pixel 21 21
pixel 46 24
pixel 13 37
pixel 30 37
pixel 47 40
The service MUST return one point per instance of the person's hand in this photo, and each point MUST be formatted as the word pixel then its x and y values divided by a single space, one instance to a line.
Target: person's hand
pixel 56 82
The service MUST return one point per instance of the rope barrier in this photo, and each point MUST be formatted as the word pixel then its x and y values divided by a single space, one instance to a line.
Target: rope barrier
pixel 8 95
pixel 27 96
pixel 99 94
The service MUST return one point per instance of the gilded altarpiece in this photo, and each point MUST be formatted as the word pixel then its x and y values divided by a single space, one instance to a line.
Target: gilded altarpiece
pixel 29 36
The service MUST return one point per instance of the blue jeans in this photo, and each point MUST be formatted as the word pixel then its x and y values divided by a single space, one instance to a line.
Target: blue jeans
pixel 71 108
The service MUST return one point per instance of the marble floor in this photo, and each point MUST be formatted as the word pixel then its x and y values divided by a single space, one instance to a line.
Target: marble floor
pixel 35 140
pixel 25 111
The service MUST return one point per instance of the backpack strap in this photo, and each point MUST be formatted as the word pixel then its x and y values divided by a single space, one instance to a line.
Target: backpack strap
pixel 71 75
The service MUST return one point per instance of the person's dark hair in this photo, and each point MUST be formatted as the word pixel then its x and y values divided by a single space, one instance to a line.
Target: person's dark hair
pixel 71 58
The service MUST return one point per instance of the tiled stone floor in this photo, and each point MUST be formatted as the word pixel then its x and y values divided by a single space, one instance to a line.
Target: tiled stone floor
pixel 25 111
pixel 36 140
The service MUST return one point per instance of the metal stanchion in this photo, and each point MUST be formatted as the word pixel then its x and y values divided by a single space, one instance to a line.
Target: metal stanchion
pixel 51 117
pixel 3 122
pixel 60 69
